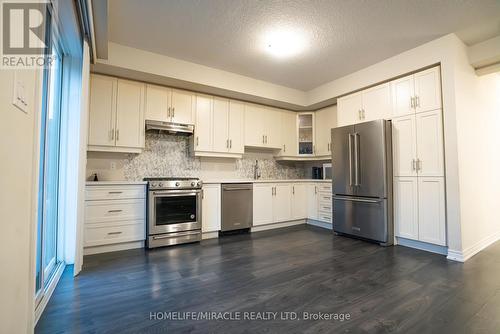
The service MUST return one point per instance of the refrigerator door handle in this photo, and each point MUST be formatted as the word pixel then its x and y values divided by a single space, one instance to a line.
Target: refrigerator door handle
pixel 350 160
pixel 356 160
pixel 355 199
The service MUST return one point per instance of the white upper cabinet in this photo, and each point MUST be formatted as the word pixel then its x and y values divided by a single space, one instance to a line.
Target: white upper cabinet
pixel 102 110
pixel 203 127
pixel 169 105
pixel 406 207
pixel 427 90
pixel 263 195
pixel 289 134
pixel 403 91
pixel 254 125
pixel 220 124
pixel 182 107
pixel 299 201
pixel 157 103
pixel 349 109
pixel 418 92
pixel 325 120
pixel 376 103
pixel 130 114
pixel 404 146
pixel 282 203
pixel 236 127
pixel 211 208
pixel 272 121
pixel 431 212
pixel 430 152
pixel 116 115
pixel 219 127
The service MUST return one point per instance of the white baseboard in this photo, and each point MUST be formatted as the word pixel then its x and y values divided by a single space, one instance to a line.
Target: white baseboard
pixel 462 256
pixel 277 225
pixel 49 291
pixel 317 223
pixel 209 235
pixel 113 248
pixel 442 250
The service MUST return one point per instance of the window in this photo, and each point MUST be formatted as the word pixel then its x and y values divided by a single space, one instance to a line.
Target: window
pixel 50 147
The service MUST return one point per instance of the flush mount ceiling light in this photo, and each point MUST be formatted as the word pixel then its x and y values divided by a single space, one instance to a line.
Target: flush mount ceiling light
pixel 284 43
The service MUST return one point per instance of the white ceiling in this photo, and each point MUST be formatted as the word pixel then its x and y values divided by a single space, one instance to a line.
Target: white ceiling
pixel 343 35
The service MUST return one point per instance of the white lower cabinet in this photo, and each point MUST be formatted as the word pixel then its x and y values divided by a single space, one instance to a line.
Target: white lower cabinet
pixel 419 209
pixel 406 207
pixel 282 203
pixel 299 201
pixel 263 194
pixel 312 201
pixel 211 208
pixel 431 210
pixel 114 214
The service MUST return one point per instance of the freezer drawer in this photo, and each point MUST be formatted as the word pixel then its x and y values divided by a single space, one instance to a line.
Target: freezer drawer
pixel 363 217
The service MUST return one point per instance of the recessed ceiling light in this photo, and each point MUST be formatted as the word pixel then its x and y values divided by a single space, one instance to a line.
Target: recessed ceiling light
pixel 283 43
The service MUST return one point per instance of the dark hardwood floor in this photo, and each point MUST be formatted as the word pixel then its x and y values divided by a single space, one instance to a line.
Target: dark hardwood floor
pixel 298 269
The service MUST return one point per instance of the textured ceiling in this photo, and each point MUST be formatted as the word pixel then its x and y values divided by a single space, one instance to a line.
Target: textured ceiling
pixel 342 35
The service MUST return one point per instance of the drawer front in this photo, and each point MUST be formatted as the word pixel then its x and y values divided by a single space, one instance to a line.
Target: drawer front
pixel 325 207
pixel 325 187
pixel 93 193
pixel 113 211
pixel 325 199
pixel 325 217
pixel 106 234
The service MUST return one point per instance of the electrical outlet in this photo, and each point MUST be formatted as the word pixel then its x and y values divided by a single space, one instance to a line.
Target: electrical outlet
pixel 112 166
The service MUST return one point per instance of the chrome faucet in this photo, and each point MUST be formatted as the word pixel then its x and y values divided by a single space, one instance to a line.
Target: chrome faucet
pixel 256 170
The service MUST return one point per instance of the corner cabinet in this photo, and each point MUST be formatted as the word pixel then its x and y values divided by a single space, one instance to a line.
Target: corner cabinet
pixel 116 115
pixel 325 121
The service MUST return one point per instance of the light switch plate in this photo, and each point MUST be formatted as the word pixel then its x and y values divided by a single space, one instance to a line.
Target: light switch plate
pixel 19 96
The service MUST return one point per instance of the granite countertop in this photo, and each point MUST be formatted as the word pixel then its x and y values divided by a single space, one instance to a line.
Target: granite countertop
pixel 116 182
pixel 263 181
pixel 207 181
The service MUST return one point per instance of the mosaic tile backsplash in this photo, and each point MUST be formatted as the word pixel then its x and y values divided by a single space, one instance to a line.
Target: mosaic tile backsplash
pixel 168 155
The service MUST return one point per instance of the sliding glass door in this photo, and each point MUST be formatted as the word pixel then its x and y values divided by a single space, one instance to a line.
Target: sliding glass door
pixel 50 148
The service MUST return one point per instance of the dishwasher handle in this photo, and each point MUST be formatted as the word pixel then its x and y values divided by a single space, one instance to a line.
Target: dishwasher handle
pixel 235 189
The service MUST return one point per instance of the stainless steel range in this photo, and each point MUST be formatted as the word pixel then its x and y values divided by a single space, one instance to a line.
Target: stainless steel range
pixel 174 211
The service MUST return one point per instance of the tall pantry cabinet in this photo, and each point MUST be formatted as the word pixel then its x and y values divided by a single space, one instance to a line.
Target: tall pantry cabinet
pixel 418 158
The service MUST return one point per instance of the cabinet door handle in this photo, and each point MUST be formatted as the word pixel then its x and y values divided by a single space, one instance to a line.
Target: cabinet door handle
pixel 114 211
pixel 230 143
pixel 197 141
pixel 359 114
pixel 284 148
pixel 417 101
pixel 115 192
pixel 114 233
pixel 173 111
pixel 117 135
pixel 413 164
pixel 227 143
pixel 263 142
pixel 168 112
pixel 266 139
pixel 363 111
pixel 293 190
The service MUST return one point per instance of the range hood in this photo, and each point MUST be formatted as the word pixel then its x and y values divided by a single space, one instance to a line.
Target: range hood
pixel 172 128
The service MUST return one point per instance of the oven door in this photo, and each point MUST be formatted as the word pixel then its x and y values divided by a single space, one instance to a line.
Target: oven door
pixel 174 211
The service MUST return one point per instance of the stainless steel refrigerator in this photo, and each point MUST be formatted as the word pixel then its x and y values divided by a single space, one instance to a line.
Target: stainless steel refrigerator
pixel 362 181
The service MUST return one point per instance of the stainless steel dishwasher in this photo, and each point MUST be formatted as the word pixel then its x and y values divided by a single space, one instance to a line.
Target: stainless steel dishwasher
pixel 237 206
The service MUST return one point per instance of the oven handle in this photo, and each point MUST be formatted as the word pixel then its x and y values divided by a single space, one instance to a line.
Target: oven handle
pixel 176 193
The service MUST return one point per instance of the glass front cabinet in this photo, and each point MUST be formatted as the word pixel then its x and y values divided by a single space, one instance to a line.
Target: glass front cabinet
pixel 305 133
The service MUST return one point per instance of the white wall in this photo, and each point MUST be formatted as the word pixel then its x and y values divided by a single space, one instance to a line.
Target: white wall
pixel 147 62
pixel 478 128
pixel 18 152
